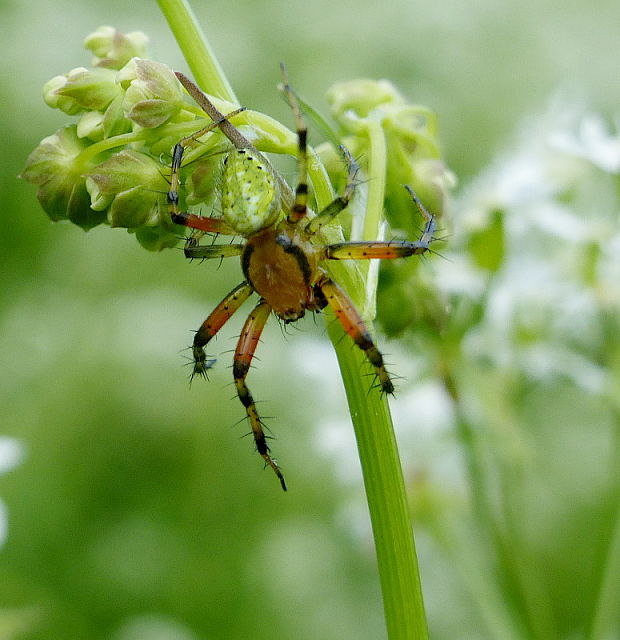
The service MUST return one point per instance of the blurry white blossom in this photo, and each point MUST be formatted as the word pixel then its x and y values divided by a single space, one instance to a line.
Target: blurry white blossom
pixel 11 454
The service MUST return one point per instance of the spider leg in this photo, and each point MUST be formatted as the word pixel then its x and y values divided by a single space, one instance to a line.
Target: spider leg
pixel 216 320
pixel 208 252
pixel 353 324
pixel 386 250
pixel 300 205
pixel 248 341
pixel 340 202
pixel 373 250
pixel 208 225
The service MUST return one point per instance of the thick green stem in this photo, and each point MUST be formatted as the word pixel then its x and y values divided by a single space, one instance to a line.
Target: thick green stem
pixel 376 441
pixel 195 47
pixel 385 493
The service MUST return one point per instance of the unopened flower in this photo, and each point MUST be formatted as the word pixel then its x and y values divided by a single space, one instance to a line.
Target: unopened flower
pixel 154 96
pixel 114 49
pixel 82 90
pixel 55 166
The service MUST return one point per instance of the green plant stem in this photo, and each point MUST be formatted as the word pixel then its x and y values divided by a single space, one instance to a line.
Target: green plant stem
pixel 376 442
pixel 194 45
pixel 373 220
pixel 385 493
pixel 605 617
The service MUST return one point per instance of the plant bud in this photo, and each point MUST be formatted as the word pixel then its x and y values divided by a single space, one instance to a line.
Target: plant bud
pixel 89 89
pixel 128 185
pixel 54 165
pixel 154 96
pixel 114 49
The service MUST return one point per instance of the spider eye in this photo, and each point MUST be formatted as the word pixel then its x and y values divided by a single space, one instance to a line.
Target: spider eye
pixel 250 194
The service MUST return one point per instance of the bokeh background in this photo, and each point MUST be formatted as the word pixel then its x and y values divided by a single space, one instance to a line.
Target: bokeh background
pixel 132 508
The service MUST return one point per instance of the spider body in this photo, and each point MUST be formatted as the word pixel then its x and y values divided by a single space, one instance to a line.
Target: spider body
pixel 281 263
pixel 282 253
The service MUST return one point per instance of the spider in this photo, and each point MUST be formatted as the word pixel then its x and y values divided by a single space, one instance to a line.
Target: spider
pixel 282 256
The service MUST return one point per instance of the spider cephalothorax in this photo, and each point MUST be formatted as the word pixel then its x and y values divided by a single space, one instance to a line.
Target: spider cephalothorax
pixel 282 253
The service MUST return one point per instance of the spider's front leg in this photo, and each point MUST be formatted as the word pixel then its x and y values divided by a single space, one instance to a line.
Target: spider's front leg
pixel 352 323
pixel 248 341
pixel 382 250
pixel 203 224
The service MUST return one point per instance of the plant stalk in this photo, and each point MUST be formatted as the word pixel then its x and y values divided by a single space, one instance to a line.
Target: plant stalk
pixel 381 468
pixel 195 47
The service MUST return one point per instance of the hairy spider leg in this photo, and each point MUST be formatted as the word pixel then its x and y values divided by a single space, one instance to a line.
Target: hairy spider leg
pixel 353 325
pixel 344 308
pixel 216 320
pixel 213 251
pixel 300 207
pixel 339 202
pixel 208 225
pixel 386 250
pixel 429 228
pixel 248 341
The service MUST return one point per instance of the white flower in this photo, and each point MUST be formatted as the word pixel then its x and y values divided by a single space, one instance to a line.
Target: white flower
pixel 11 454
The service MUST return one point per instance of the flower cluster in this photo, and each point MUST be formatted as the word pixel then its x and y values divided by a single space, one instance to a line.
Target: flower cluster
pixel 110 166
pixel 113 165
pixel 411 138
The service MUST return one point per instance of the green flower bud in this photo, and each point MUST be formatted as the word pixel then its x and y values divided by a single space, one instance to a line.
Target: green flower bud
pixel 128 184
pixel 114 121
pixel 411 141
pixel 203 184
pixel 89 89
pixel 55 167
pixel 131 209
pixel 157 238
pixel 96 126
pixel 114 49
pixel 55 100
pixel 360 97
pixel 154 96
pixel 128 73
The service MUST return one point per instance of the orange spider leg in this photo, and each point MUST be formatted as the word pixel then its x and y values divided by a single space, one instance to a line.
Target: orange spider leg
pixel 353 324
pixel 374 250
pixel 385 250
pixel 202 223
pixel 216 320
pixel 248 341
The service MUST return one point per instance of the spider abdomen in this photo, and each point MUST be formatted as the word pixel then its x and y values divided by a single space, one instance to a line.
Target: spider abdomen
pixel 250 197
pixel 282 267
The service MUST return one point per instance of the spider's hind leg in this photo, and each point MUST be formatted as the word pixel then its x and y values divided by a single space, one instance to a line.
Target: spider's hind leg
pixel 354 325
pixel 248 341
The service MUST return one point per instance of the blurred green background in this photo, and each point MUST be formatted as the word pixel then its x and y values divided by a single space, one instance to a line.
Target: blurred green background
pixel 138 511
